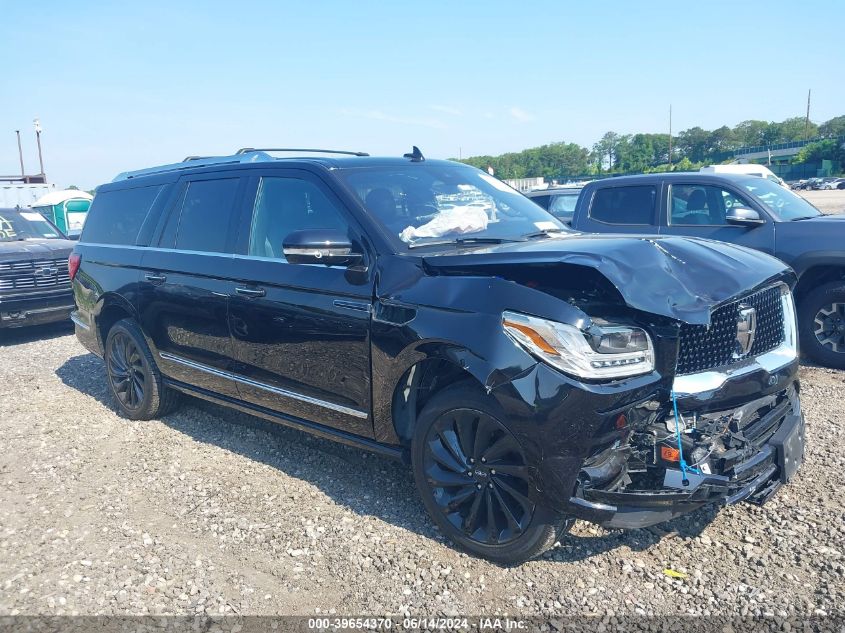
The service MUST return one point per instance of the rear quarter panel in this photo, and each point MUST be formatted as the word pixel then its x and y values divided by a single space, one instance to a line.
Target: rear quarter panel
pixel 108 275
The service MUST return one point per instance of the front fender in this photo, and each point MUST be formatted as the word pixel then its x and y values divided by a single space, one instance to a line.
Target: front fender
pixel 464 327
pixel 478 346
pixel 818 259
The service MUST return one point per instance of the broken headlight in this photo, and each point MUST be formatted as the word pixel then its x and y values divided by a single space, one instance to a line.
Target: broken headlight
pixel 603 352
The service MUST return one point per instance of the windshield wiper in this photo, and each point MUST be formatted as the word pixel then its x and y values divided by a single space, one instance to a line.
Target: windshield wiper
pixel 467 240
pixel 543 233
pixel 485 240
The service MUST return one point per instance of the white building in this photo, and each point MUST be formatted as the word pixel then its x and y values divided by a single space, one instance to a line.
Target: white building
pixel 22 195
pixel 527 184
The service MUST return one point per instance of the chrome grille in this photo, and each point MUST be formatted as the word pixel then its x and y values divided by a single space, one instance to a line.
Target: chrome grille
pixel 708 347
pixel 33 275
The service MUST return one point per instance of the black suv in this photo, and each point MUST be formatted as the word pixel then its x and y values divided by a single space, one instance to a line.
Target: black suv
pixel 427 311
pixel 740 209
pixel 34 278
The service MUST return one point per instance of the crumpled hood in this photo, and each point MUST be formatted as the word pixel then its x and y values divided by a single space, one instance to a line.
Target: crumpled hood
pixel 22 250
pixel 678 277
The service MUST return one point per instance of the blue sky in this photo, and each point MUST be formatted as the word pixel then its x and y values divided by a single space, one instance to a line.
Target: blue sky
pixel 128 85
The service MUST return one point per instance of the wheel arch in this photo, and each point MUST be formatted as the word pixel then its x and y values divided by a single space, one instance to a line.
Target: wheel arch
pixel 113 308
pixel 418 374
pixel 816 275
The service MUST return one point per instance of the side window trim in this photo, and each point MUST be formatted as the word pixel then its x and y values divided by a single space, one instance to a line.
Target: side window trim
pixel 160 206
pixel 173 211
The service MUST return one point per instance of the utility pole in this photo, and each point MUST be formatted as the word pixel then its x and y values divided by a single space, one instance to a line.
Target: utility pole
pixel 670 137
pixel 807 120
pixel 20 153
pixel 38 140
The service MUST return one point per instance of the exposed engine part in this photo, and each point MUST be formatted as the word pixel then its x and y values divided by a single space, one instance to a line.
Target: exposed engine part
pixel 712 444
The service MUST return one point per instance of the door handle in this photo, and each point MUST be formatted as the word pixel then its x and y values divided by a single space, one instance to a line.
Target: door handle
pixel 251 292
pixel 156 279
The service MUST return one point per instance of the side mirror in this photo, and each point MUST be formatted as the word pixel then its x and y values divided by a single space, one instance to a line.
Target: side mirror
pixel 744 216
pixel 329 247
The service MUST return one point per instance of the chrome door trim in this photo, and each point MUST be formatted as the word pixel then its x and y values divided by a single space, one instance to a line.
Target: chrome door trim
pixel 352 305
pixel 260 385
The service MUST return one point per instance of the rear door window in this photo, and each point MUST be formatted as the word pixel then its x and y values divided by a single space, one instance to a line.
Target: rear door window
pixel 205 216
pixel 116 216
pixel 624 205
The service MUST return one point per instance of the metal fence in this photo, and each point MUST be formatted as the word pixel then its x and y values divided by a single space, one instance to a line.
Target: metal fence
pixel 814 169
pixel 739 152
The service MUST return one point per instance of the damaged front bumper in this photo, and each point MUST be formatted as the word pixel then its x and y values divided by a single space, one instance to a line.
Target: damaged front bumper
pixel 759 448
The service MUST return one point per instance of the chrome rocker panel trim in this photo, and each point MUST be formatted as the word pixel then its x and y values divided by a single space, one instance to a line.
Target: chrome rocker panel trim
pixel 260 385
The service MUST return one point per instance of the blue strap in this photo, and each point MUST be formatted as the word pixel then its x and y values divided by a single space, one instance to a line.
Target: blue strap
pixel 682 462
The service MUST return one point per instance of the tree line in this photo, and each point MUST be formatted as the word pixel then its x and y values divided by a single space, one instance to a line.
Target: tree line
pixel 642 153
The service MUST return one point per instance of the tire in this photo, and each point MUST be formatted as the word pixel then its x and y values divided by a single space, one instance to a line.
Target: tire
pixel 133 377
pixel 454 430
pixel 821 325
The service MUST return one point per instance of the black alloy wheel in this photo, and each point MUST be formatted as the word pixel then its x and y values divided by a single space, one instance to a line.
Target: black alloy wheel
pixel 474 478
pixel 830 327
pixel 126 370
pixel 133 377
pixel 478 476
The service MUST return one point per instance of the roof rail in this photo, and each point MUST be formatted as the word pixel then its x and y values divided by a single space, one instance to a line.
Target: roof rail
pixel 192 162
pixel 245 155
pixel 247 150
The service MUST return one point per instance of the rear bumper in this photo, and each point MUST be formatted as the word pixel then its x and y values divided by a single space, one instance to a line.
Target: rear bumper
pixel 37 309
pixel 756 479
pixel 86 332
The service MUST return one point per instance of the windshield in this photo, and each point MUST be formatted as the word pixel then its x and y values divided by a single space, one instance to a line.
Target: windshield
pixel 424 204
pixel 783 203
pixel 25 225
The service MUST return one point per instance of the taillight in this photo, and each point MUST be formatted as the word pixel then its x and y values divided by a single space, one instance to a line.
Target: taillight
pixel 73 264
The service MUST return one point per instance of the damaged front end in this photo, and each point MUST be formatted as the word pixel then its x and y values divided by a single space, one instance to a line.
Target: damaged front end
pixel 722 435
pixel 588 345
pixel 735 454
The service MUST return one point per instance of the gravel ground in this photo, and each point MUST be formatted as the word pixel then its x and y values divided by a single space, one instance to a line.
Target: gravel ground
pixel 826 201
pixel 210 511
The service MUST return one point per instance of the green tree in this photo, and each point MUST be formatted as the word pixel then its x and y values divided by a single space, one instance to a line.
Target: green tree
pixel 833 127
pixel 793 129
pixel 685 164
pixel 721 140
pixel 829 149
pixel 694 143
pixel 749 133
pixel 605 149
pixel 641 151
pixel 632 153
